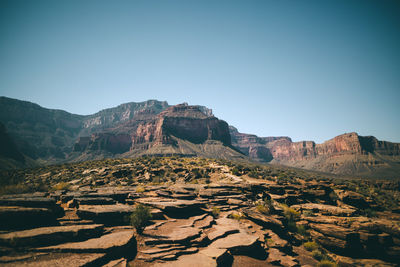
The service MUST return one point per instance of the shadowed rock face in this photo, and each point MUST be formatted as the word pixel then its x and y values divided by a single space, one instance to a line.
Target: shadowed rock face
pixel 8 149
pixel 49 135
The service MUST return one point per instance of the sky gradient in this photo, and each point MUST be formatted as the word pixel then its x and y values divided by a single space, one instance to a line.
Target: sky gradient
pixel 310 70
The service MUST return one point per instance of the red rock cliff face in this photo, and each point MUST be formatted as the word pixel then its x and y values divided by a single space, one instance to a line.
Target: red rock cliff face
pixel 349 143
pixel 191 123
pixel 345 143
pixel 182 121
pixel 282 149
pixel 253 146
pixel 287 150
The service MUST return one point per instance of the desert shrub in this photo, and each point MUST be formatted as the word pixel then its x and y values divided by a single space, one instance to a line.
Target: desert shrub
pixel 194 181
pixel 235 216
pixel 236 171
pixel 291 225
pixel 308 213
pixel 317 255
pixel 327 263
pixel 15 189
pixel 290 213
pixel 368 212
pixel 310 246
pixel 333 196
pixel 263 209
pixel 253 174
pixel 61 186
pixel 140 217
pixel 140 189
pixel 302 230
pixel 215 211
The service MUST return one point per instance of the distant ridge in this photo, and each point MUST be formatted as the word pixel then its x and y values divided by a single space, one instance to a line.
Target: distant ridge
pixel 47 136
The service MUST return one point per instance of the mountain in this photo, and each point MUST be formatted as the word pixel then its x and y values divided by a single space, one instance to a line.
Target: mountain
pixel 48 136
pixel 347 154
pixel 35 136
pixel 180 129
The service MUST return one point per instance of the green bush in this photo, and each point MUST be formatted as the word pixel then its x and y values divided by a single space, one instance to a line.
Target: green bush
pixel 235 216
pixel 290 214
pixel 215 211
pixel 318 255
pixel 327 263
pixel 140 217
pixel 140 189
pixel 15 189
pixel 308 213
pixel 263 209
pixel 62 186
pixel 368 212
pixel 236 171
pixel 310 246
pixel 302 230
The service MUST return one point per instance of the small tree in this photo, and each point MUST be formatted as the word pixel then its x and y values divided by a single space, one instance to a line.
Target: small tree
pixel 140 217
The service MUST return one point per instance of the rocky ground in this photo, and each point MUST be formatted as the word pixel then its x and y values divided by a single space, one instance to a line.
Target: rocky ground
pixel 227 218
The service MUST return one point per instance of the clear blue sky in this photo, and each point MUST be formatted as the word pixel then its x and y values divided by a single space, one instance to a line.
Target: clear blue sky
pixel 306 69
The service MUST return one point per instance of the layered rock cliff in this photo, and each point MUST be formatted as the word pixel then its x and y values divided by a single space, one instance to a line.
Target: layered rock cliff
pixel 348 154
pixel 191 123
pixel 253 146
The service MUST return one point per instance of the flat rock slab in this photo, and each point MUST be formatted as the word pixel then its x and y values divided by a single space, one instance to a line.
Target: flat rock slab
pixel 117 263
pixel 36 202
pixel 332 230
pixel 236 243
pixel 161 250
pixel 50 235
pixel 33 202
pixel 167 256
pixel 61 260
pixel 266 221
pixel 325 209
pixel 221 256
pixel 220 231
pixel 279 258
pixel 173 205
pixel 95 201
pixel 15 217
pixel 194 260
pixel 207 222
pixel 180 235
pixel 105 243
pixel 107 214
